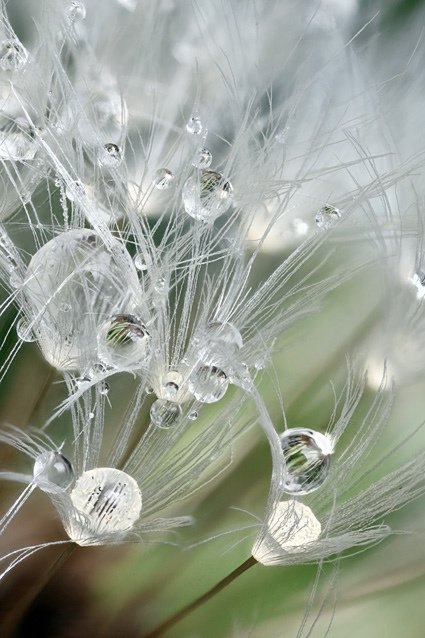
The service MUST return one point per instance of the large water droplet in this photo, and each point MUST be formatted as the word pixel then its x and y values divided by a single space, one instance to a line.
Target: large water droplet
pixel 327 216
pixel 202 159
pixel 307 459
pixel 111 502
pixel 52 472
pixel 207 196
pixel 164 413
pixel 77 269
pixel 163 179
pixel 123 342
pixel 110 155
pixel 13 55
pixel 208 384
pixel 17 138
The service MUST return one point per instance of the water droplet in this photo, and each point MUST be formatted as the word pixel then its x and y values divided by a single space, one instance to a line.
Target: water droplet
pixel 164 413
pixel 194 125
pixel 163 179
pixel 83 382
pixel 172 383
pixel 76 268
pixel 418 280
pixel 207 196
pixel 203 158
pixel 208 383
pixel 111 502
pixel 17 139
pixel 75 12
pixel 24 331
pixel 160 285
pixel 123 342
pixel 193 415
pixel 52 472
pixel 110 155
pixel 225 334
pixel 307 459
pixel 149 390
pixel 140 263
pixel 327 216
pixel 291 527
pixel 13 55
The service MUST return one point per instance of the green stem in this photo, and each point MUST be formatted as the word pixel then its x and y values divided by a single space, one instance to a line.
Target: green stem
pixel 173 620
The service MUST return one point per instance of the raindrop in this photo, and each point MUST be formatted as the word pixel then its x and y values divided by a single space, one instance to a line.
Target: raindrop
pixel 225 334
pixel 110 155
pixel 13 55
pixel 207 196
pixel 123 342
pixel 327 216
pixel 140 263
pixel 111 502
pixel 164 413
pixel 193 415
pixel 203 158
pixel 52 472
pixel 208 383
pixel 307 460
pixel 163 179
pixel 194 125
pixel 24 331
pixel 77 269
pixel 17 139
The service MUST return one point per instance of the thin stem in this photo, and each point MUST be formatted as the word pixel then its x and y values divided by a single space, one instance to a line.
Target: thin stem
pixel 170 622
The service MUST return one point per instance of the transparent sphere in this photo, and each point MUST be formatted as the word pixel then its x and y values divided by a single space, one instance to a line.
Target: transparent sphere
pixel 194 125
pixel 164 413
pixel 24 331
pixel 203 158
pixel 110 155
pixel 17 138
pixel 52 472
pixel 76 270
pixel 207 196
pixel 123 342
pixel 327 216
pixel 163 179
pixel 208 384
pixel 225 334
pixel 13 55
pixel 111 502
pixel 307 459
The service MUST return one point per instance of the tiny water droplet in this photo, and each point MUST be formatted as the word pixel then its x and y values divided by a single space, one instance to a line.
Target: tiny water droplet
pixel 193 415
pixel 75 191
pixel 418 280
pixel 104 388
pixel 203 158
pixel 307 459
pixel 110 155
pixel 83 382
pixel 24 331
pixel 160 285
pixel 75 12
pixel 123 342
pixel 164 413
pixel 52 472
pixel 327 216
pixel 149 390
pixel 140 263
pixel 208 384
pixel 163 179
pixel 207 196
pixel 13 55
pixel 194 125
